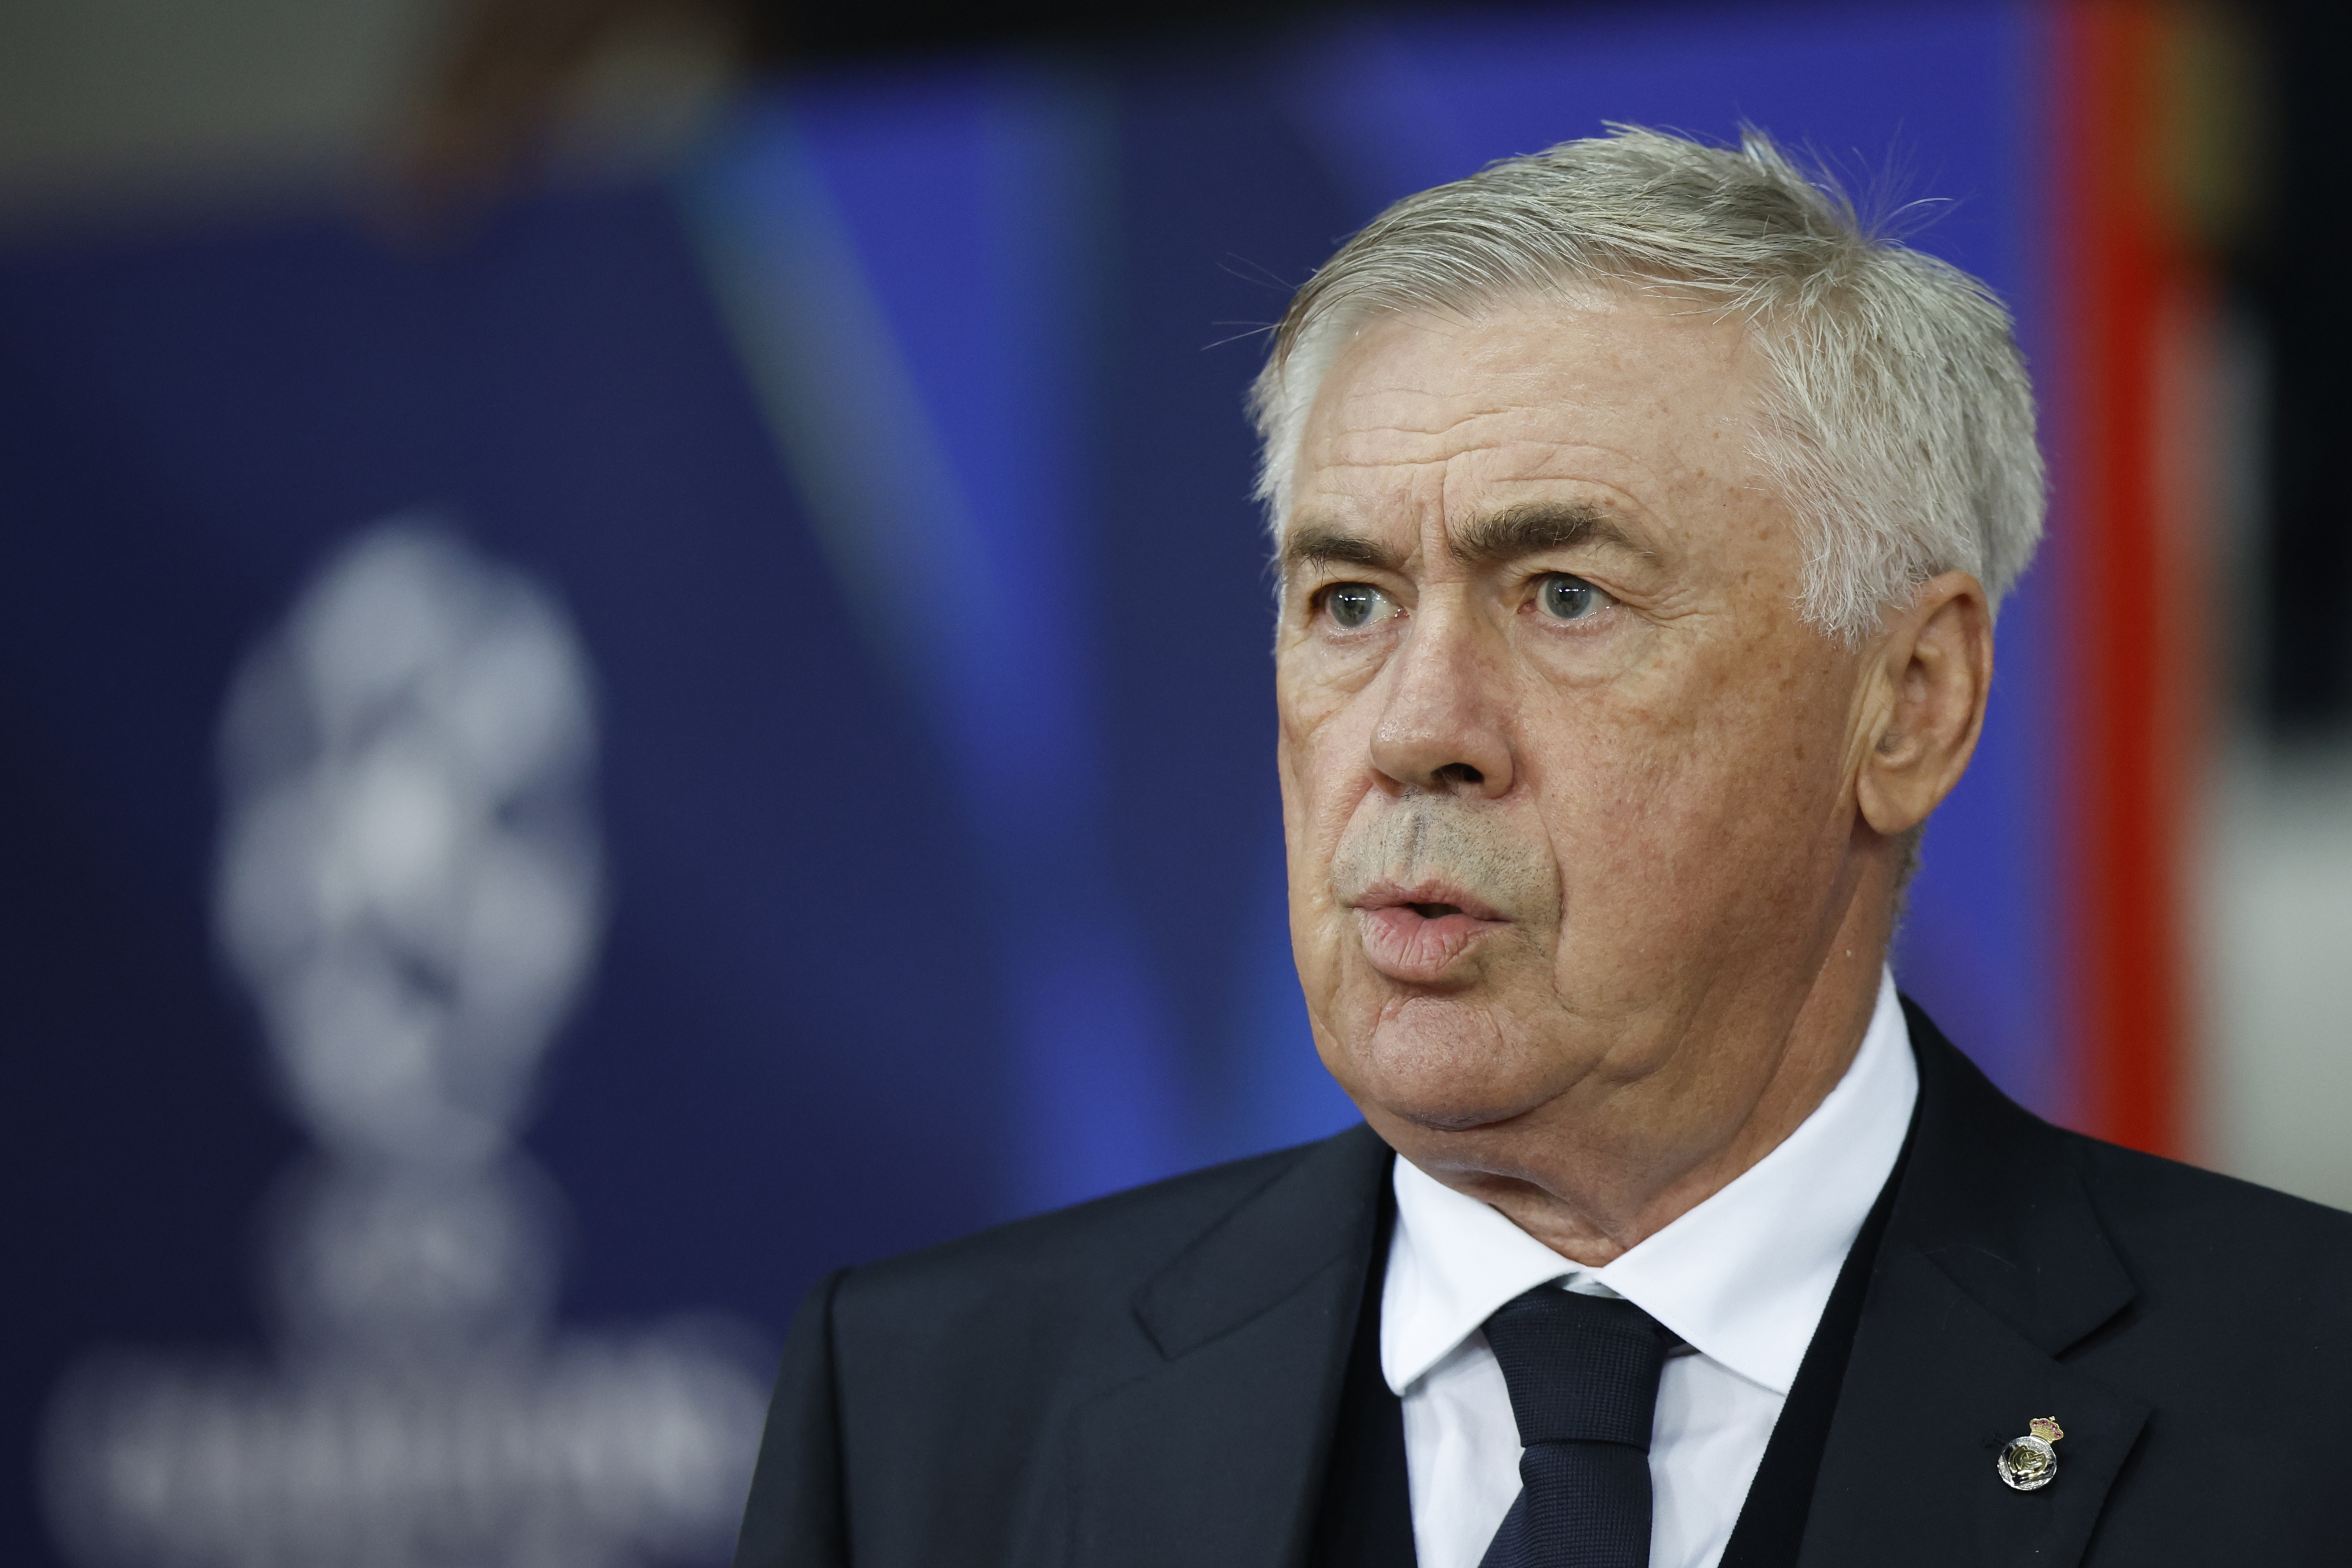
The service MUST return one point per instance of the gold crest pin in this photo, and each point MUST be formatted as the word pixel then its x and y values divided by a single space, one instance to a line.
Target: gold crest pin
pixel 2030 1463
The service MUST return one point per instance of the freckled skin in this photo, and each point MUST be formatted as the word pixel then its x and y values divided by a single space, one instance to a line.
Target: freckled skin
pixel 1686 806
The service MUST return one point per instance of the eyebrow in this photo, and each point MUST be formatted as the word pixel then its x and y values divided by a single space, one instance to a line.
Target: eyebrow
pixel 1531 529
pixel 1509 535
pixel 1322 544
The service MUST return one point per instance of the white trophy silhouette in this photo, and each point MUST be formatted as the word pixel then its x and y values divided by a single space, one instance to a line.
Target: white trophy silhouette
pixel 409 883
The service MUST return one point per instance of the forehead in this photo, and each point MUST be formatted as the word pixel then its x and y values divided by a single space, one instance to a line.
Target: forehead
pixel 1645 404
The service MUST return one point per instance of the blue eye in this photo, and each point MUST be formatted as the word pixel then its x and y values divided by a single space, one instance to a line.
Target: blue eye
pixel 1566 597
pixel 1353 605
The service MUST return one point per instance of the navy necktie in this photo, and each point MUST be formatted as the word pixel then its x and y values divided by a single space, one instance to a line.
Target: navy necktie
pixel 1583 1377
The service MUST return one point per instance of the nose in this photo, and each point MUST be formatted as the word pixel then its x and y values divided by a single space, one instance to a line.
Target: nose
pixel 1443 722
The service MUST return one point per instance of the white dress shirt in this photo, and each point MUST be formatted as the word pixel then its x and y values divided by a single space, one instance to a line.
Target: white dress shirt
pixel 1742 1278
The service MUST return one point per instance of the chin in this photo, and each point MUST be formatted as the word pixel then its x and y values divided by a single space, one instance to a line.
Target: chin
pixel 1416 1071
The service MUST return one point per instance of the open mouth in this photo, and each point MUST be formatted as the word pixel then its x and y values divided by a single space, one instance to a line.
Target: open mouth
pixel 1417 934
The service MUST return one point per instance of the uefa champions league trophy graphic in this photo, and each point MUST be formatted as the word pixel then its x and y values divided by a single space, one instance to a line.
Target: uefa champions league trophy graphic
pixel 409 883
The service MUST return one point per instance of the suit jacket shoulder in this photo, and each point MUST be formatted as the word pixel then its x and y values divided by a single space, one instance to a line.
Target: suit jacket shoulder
pixel 2239 1337
pixel 1003 1398
pixel 2178 1325
pixel 2217 1246
pixel 1057 1267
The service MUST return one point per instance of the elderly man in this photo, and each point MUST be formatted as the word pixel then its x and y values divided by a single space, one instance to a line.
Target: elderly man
pixel 1642 520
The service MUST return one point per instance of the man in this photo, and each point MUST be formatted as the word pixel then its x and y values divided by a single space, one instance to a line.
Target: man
pixel 1642 521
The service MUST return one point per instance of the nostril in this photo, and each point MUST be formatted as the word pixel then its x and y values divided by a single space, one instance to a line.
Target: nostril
pixel 1460 773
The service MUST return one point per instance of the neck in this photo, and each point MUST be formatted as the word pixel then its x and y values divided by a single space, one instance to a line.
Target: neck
pixel 1591 1175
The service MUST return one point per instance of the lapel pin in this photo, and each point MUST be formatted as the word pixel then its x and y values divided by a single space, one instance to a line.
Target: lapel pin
pixel 2030 1463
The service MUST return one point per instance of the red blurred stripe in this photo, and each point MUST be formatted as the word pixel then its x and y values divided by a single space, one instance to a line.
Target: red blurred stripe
pixel 2134 306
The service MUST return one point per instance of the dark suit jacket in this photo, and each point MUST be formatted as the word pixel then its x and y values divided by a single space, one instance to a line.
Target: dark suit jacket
pixel 1155 1378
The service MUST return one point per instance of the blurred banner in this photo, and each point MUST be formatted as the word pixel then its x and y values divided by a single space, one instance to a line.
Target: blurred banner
pixel 563 785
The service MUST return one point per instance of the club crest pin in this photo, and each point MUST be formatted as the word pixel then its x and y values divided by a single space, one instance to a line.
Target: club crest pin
pixel 2030 1463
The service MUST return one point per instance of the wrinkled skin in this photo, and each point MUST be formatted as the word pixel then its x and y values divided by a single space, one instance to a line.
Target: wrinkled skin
pixel 1594 842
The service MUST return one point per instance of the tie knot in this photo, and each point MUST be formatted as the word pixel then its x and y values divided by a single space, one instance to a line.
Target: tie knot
pixel 1581 1369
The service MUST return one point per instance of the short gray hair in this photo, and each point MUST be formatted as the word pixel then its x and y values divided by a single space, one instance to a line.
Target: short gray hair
pixel 1897 421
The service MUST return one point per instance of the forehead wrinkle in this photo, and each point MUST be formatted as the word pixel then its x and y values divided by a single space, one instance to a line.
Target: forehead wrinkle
pixel 1390 426
pixel 1446 457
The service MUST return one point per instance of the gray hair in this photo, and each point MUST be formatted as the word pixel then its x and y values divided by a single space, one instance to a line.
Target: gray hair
pixel 1897 421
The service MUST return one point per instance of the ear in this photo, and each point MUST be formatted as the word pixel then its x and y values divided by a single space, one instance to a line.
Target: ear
pixel 1933 675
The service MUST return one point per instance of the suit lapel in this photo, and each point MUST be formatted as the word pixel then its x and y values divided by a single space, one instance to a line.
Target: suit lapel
pixel 1995 1264
pixel 1215 1456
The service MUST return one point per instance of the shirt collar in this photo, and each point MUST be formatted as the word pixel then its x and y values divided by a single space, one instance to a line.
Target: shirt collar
pixel 1742 1278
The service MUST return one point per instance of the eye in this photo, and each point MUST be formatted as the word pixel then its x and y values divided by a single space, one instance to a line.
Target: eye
pixel 1354 605
pixel 1566 597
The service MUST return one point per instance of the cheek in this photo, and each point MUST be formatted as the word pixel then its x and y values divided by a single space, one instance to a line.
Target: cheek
pixel 1322 751
pixel 1660 809
pixel 1315 801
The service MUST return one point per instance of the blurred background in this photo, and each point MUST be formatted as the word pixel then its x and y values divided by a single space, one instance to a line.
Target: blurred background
pixel 633 667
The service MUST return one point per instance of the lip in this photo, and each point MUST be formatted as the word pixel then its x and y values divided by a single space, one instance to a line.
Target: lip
pixel 1406 942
